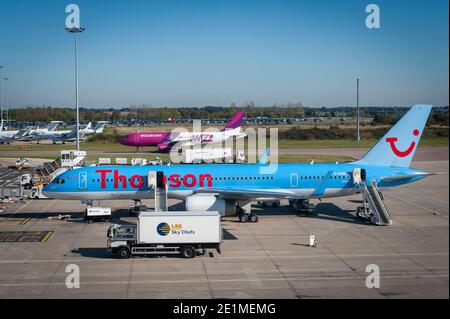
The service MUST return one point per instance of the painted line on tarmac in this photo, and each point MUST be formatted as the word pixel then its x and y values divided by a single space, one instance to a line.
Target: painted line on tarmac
pixel 45 239
pixel 20 208
pixel 8 172
pixel 234 257
pixel 244 279
pixel 416 205
pixel 414 194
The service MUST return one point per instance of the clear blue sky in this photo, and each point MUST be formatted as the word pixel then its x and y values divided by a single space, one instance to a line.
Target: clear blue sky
pixel 195 53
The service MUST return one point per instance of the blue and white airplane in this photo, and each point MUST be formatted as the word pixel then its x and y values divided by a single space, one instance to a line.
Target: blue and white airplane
pixel 224 186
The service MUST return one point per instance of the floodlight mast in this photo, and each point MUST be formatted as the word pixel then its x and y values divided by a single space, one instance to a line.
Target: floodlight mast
pixel 75 31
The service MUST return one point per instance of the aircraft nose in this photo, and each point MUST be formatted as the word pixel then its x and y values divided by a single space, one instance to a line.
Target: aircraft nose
pixel 47 190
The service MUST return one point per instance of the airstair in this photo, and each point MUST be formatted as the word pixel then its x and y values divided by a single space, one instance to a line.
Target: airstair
pixel 68 160
pixel 373 208
pixel 48 170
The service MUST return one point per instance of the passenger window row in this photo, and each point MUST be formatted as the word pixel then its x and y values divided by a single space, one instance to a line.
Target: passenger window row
pixel 346 177
pixel 112 180
pixel 242 178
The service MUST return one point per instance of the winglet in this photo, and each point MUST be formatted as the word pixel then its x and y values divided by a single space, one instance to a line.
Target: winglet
pixel 264 157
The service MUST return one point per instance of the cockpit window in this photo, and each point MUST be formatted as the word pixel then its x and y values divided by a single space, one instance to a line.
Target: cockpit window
pixel 58 181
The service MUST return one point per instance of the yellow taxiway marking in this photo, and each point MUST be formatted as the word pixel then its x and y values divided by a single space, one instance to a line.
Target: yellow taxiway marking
pixel 47 236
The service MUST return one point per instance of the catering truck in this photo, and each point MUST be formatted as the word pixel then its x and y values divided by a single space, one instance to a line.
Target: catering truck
pixel 186 234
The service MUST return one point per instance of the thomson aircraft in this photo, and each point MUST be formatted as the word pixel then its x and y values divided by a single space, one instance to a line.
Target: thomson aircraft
pixel 222 187
pixel 166 140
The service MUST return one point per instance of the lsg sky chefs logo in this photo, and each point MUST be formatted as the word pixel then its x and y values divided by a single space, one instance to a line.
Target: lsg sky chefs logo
pixel 164 229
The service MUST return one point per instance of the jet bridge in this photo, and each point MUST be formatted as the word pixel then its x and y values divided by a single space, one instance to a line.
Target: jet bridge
pixel 373 208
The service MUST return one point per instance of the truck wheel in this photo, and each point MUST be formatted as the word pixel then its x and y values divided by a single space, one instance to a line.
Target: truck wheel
pixel 243 218
pixel 253 218
pixel 123 253
pixel 187 252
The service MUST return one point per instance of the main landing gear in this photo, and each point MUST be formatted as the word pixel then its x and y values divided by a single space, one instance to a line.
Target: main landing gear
pixel 245 218
pixel 245 214
pixel 302 205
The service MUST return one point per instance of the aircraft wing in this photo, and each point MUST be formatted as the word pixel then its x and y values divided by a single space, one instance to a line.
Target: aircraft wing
pixel 234 193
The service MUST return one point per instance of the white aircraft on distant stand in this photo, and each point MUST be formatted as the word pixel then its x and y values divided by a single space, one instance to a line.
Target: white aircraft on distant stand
pixel 71 135
pixel 31 133
pixel 6 136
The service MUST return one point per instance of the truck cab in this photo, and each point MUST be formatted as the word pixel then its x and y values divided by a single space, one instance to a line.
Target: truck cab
pixel 26 181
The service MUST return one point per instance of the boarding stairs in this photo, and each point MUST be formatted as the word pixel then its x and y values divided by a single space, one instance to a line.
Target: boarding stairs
pixel 374 208
pixel 48 170
pixel 67 160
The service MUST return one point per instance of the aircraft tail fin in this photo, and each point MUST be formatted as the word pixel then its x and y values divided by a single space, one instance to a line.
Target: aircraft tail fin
pixel 235 122
pixel 53 126
pixel 398 146
pixel 100 126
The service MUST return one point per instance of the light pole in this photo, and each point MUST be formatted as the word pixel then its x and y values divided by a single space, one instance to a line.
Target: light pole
pixel 1 109
pixel 357 110
pixel 6 101
pixel 75 31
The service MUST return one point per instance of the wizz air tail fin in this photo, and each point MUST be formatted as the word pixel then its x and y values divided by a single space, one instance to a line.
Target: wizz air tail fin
pixel 235 122
pixel 398 146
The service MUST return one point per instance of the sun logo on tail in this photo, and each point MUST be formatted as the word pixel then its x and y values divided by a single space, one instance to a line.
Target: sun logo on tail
pixel 392 140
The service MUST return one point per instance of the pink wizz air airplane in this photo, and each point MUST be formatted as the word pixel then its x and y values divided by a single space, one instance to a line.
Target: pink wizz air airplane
pixel 166 140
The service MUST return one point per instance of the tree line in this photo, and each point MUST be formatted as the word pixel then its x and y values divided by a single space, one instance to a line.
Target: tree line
pixel 380 115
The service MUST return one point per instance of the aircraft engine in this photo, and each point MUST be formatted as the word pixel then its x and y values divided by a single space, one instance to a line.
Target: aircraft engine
pixel 209 202
pixel 164 147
